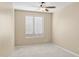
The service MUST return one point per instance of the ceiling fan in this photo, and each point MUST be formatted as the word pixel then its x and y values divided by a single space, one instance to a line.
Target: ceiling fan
pixel 45 7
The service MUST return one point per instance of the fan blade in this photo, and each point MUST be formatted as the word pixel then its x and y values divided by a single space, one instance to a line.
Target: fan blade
pixel 46 10
pixel 51 7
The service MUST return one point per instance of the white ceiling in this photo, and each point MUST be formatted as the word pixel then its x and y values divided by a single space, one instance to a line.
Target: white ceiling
pixel 35 6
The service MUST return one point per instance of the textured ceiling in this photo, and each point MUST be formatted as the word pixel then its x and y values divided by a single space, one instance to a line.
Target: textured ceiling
pixel 34 6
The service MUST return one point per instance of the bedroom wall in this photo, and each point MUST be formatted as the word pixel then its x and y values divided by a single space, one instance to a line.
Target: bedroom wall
pixel 6 29
pixel 66 27
pixel 21 38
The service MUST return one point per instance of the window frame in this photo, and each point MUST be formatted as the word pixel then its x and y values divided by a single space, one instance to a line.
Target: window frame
pixel 34 35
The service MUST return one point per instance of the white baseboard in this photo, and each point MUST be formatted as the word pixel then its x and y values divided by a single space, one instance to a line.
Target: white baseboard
pixel 69 51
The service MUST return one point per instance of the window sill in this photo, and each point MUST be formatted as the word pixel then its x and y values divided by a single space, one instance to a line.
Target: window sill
pixel 34 36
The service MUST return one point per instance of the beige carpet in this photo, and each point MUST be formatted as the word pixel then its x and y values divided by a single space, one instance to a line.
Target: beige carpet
pixel 40 50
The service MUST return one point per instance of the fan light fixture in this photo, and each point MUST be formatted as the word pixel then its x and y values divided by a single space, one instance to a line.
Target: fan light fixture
pixel 44 7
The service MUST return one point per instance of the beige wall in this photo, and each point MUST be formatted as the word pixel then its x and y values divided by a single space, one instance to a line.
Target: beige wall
pixel 20 36
pixel 6 29
pixel 66 27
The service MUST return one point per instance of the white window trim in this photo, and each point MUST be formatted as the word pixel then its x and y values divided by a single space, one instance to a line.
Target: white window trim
pixel 35 35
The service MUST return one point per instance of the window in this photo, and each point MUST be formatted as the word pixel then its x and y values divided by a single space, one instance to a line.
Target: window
pixel 34 25
pixel 29 25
